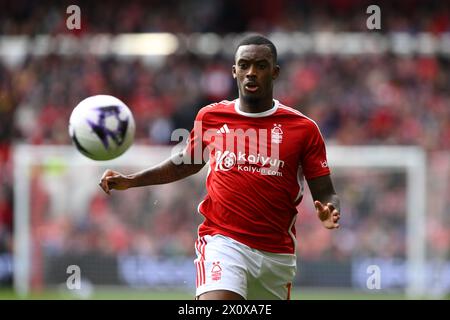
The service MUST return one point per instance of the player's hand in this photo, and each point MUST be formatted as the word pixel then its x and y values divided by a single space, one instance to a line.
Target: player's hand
pixel 328 214
pixel 113 180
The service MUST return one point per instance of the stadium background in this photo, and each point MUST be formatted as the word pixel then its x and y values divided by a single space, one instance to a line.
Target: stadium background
pixel 397 96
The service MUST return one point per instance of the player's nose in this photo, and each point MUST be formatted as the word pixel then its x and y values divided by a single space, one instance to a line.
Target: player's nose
pixel 251 71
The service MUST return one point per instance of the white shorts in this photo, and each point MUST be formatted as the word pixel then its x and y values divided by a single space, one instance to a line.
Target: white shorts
pixel 226 264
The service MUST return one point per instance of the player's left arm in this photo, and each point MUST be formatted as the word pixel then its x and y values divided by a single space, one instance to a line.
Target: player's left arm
pixel 326 201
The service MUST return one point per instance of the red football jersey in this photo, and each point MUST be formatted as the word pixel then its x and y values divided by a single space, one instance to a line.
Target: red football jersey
pixel 257 163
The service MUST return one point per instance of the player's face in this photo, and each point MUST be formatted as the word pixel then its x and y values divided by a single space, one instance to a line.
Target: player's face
pixel 254 71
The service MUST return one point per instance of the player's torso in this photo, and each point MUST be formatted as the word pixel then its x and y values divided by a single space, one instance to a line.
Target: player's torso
pixel 255 178
pixel 261 152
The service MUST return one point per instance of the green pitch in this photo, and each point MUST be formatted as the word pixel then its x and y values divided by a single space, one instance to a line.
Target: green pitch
pixel 126 294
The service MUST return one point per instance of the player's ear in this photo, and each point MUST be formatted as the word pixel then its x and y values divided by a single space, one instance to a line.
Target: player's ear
pixel 276 72
pixel 233 71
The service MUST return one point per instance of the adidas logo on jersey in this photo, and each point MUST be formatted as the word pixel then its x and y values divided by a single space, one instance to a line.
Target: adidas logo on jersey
pixel 224 129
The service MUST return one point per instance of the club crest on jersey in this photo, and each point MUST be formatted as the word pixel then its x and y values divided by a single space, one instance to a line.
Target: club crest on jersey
pixel 216 271
pixel 277 134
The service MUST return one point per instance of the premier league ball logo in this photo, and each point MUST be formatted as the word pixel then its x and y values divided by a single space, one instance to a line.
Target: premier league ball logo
pixel 109 125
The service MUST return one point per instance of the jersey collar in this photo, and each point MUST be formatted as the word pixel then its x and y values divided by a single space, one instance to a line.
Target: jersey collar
pixel 257 114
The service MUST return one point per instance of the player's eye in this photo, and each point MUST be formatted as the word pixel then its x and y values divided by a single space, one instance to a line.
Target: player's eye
pixel 262 66
pixel 242 65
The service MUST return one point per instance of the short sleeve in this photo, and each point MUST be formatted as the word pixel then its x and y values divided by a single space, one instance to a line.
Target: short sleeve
pixel 314 158
pixel 195 144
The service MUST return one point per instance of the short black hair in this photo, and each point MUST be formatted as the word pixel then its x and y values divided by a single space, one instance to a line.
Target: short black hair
pixel 258 40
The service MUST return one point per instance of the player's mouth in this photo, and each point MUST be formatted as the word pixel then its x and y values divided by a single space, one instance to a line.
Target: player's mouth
pixel 251 87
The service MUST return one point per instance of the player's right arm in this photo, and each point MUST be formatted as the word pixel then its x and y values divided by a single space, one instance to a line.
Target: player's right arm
pixel 168 171
pixel 179 166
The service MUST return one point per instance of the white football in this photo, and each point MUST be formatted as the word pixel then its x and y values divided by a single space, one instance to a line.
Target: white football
pixel 102 127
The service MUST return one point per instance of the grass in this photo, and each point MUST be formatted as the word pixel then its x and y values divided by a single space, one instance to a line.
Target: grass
pixel 127 294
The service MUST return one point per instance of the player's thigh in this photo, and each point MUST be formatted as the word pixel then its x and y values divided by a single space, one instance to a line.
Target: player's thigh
pixel 220 295
pixel 220 266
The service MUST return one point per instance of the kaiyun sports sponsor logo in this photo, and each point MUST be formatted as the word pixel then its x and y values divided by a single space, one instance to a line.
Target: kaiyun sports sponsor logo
pixel 264 165
pixel 248 154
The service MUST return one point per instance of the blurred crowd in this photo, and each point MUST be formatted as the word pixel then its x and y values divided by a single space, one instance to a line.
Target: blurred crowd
pixel 222 16
pixel 380 99
pixel 356 100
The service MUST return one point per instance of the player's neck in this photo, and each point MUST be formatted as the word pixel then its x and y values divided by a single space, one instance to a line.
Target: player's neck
pixel 256 106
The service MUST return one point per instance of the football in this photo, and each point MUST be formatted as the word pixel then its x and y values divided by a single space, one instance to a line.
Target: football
pixel 102 127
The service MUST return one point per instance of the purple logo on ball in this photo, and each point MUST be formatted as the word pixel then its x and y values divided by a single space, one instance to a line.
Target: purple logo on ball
pixel 100 129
